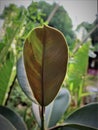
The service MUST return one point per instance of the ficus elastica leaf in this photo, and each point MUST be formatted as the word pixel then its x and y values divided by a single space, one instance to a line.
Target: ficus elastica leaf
pixel 45 56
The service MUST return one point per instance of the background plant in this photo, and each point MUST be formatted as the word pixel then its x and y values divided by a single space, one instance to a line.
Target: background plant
pixel 18 21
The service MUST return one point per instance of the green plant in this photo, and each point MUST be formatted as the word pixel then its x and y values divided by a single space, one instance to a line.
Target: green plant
pixel 47 112
pixel 41 71
pixel 16 20
pixel 77 72
pixel 17 24
pixel 9 120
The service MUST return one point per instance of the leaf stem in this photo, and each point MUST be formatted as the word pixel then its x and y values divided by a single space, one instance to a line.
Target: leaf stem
pixel 42 118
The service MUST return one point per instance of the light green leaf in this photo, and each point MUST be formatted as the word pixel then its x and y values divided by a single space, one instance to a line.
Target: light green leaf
pixel 6 71
pixel 77 67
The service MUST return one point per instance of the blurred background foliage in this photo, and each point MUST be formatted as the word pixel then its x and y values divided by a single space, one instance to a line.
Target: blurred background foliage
pixel 18 22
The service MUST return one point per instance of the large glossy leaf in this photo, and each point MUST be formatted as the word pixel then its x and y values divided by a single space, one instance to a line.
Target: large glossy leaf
pixel 12 117
pixel 85 118
pixel 77 127
pixel 55 110
pixel 5 124
pixel 36 113
pixel 22 79
pixel 72 127
pixel 6 71
pixel 45 56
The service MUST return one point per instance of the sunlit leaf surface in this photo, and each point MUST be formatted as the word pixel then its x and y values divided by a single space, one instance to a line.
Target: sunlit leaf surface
pixel 6 71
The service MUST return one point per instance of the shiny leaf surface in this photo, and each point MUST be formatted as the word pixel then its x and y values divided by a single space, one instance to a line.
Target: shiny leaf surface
pixel 87 116
pixel 13 118
pixel 45 56
pixel 5 124
pixel 84 118
pixel 22 79
pixel 55 110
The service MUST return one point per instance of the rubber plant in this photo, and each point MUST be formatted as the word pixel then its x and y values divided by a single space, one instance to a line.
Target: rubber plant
pixel 10 120
pixel 41 71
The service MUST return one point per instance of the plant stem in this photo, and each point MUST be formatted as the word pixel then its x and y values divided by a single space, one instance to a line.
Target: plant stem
pixel 9 93
pixel 42 118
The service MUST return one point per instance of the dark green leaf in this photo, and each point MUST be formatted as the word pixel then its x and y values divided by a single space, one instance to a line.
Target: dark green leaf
pixel 55 110
pixel 85 118
pixel 5 124
pixel 76 127
pixel 22 78
pixel 14 118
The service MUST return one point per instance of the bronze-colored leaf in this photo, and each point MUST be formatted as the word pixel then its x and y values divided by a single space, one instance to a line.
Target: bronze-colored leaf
pixel 45 56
